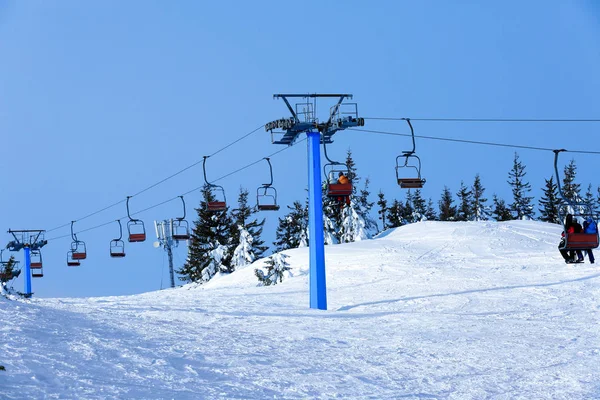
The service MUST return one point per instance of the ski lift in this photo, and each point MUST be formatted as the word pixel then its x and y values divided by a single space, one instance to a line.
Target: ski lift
pixel 411 161
pixel 216 205
pixel 332 171
pixel 78 250
pixel 180 229
pixel 37 273
pixel 35 259
pixel 135 227
pixel 117 246
pixel 578 210
pixel 267 201
pixel 71 261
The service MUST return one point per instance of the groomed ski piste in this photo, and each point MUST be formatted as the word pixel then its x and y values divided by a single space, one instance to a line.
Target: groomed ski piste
pixel 432 310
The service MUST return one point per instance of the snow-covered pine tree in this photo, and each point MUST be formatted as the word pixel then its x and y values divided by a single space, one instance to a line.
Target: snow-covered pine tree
pixel 382 212
pixel 419 206
pixel 208 250
pixel 448 210
pixel 481 211
pixel 292 228
pixel 7 272
pixel 395 215
pixel 332 218
pixel 570 189
pixel 363 208
pixel 430 213
pixel 408 217
pixel 465 206
pixel 246 231
pixel 500 211
pixel 522 204
pixel 275 267
pixel 591 200
pixel 549 202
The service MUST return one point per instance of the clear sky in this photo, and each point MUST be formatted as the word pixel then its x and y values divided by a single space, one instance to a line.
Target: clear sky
pixel 101 99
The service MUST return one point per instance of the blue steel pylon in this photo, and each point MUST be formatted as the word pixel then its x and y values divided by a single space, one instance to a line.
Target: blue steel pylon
pixel 30 239
pixel 316 133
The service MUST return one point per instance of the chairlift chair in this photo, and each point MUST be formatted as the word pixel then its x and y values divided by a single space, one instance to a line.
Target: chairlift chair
pixel 78 249
pixel 180 229
pixel 411 161
pixel 117 246
pixel 71 261
pixel 578 210
pixel 35 259
pixel 221 203
pixel 135 227
pixel 267 200
pixel 37 273
pixel 332 170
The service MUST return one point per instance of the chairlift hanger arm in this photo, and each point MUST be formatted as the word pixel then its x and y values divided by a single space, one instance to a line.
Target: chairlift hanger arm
pixel 270 171
pixel 74 236
pixel 183 201
pixel 556 153
pixel 327 157
pixel 412 133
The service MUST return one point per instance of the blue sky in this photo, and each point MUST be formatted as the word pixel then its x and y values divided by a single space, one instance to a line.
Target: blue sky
pixel 101 99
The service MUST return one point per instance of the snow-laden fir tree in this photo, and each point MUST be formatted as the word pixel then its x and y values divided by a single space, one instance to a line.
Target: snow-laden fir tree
pixel 522 204
pixel 395 215
pixel 353 226
pixel 418 205
pixel 448 210
pixel 430 214
pixel 549 202
pixel 292 228
pixel 591 200
pixel 408 217
pixel 208 247
pixel 276 266
pixel 500 211
pixel 382 211
pixel 481 211
pixel 570 189
pixel 7 271
pixel 332 218
pixel 246 232
pixel 465 203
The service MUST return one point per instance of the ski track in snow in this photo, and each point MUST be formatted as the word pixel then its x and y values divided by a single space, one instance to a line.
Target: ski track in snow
pixel 428 311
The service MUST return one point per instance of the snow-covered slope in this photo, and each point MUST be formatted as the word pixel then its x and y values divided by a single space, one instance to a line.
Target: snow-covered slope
pixel 430 310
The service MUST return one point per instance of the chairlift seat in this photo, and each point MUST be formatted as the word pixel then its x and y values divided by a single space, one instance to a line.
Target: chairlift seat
pixel 216 206
pixel 411 183
pixel 79 256
pixel 73 263
pixel 37 274
pixel 339 189
pixel 181 236
pixel 117 254
pixel 35 265
pixel 137 237
pixel 581 241
pixel 268 207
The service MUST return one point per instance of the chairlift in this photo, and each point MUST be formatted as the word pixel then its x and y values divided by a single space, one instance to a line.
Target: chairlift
pixel 78 250
pixel 220 204
pixel 117 246
pixel 579 210
pixel 266 195
pixel 37 273
pixel 333 170
pixel 410 162
pixel 72 261
pixel 135 227
pixel 180 229
pixel 35 259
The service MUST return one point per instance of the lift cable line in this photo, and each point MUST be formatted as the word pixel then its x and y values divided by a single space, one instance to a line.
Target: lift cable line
pixel 161 181
pixel 485 119
pixel 515 146
pixel 176 197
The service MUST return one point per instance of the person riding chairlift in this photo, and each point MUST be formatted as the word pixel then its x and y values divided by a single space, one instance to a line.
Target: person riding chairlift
pixel 343 179
pixel 569 255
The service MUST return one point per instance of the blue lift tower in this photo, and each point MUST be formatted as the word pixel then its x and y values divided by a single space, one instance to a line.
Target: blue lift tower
pixel 31 241
pixel 286 131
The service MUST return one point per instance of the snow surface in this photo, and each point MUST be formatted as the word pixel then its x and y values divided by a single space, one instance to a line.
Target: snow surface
pixel 436 310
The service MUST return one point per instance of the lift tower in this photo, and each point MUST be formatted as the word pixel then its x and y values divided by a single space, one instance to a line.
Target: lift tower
pixel 28 240
pixel 303 120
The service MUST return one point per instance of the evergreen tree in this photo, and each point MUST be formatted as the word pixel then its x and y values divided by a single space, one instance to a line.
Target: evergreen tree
pixel 408 216
pixel 382 203
pixel 501 212
pixel 363 208
pixel 522 204
pixel 276 265
pixel 352 175
pixel 395 215
pixel 208 247
pixel 570 189
pixel 430 214
pixel 419 207
pixel 332 219
pixel 465 207
pixel 448 210
pixel 8 271
pixel 246 232
pixel 591 200
pixel 481 211
pixel 292 229
pixel 550 202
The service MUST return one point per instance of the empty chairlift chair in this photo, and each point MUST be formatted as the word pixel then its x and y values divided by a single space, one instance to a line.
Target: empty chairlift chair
pixel 266 195
pixel 117 246
pixel 219 203
pixel 135 227
pixel 572 210
pixel 408 166
pixel 36 259
pixel 78 250
pixel 180 229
